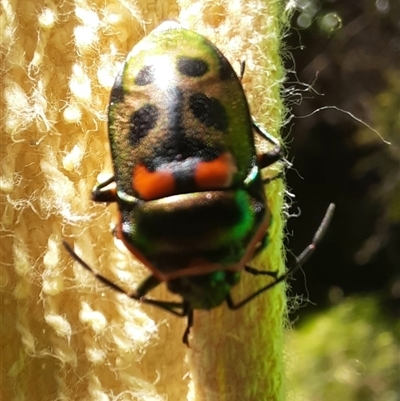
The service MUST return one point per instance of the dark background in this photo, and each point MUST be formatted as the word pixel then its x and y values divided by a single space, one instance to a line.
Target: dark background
pixel 345 54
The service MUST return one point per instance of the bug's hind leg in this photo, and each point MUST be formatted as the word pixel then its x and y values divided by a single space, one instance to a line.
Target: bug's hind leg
pixel 179 309
pixel 298 262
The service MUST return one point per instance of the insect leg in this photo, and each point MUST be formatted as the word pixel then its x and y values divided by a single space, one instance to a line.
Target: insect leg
pixel 256 272
pixel 189 313
pixel 301 259
pixel 139 295
pixel 264 159
pixel 108 195
pixel 271 157
pixel 103 279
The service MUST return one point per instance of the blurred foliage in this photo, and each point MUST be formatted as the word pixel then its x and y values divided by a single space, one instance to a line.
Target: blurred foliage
pixel 310 11
pixel 346 55
pixel 349 353
pixel 386 115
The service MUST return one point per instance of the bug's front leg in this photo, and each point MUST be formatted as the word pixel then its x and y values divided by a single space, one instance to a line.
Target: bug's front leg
pixel 99 194
pixel 268 158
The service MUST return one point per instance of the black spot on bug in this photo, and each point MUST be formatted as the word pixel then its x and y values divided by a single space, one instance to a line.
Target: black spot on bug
pixel 176 148
pixel 117 91
pixel 209 111
pixel 141 122
pixel 192 67
pixel 145 76
pixel 176 151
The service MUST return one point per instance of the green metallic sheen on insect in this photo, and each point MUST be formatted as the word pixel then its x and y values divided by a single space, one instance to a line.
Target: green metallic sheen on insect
pixel 187 178
pixel 188 184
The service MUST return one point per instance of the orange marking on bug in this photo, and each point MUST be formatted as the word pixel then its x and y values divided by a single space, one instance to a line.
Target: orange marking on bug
pixel 216 173
pixel 152 185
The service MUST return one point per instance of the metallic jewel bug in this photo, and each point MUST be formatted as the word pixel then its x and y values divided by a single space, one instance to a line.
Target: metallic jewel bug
pixel 187 178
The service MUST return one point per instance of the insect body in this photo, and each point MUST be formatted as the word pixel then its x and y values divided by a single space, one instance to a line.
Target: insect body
pixel 187 178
